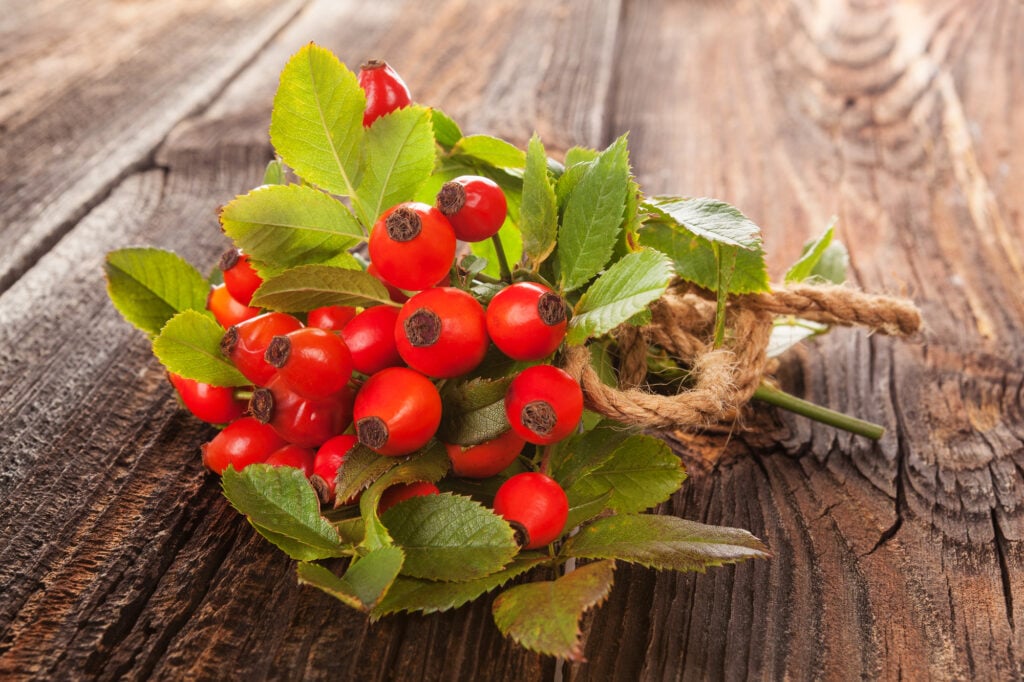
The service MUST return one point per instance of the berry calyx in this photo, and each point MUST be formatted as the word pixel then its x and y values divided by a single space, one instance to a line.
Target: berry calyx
pixel 474 205
pixel 404 491
pixel 315 363
pixel 412 246
pixel 370 338
pixel 292 456
pixel 328 462
pixel 302 421
pixel 485 459
pixel 385 90
pixel 397 411
pixel 535 506
pixel 243 442
pixel 226 309
pixel 331 317
pixel 543 404
pixel 526 321
pixel 246 343
pixel 442 332
pixel 213 404
pixel 240 277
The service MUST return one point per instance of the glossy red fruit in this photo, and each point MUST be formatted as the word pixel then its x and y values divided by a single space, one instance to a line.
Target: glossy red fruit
pixel 385 90
pixel 240 277
pixel 243 442
pixel 246 343
pixel 302 421
pixel 213 404
pixel 329 460
pixel 486 459
pixel 226 309
pixel 404 491
pixel 442 332
pixel 526 321
pixel 412 246
pixel 397 411
pixel 370 337
pixel 474 205
pixel 543 404
pixel 315 363
pixel 396 294
pixel 331 317
pixel 535 506
pixel 292 456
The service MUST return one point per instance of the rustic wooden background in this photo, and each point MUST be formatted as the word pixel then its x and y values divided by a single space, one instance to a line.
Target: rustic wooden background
pixel 129 122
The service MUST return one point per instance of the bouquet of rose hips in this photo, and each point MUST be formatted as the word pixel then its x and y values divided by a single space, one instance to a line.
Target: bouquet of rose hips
pixel 386 354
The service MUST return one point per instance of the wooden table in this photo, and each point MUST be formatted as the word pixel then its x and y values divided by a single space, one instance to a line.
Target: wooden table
pixel 131 122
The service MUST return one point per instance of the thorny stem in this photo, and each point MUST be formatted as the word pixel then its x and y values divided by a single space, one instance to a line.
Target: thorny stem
pixel 780 398
pixel 506 272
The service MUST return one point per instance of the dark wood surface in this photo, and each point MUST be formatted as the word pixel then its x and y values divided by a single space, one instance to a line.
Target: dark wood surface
pixel 130 123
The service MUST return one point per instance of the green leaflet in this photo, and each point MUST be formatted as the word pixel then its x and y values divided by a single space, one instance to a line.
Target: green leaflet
pixel 189 345
pixel 539 212
pixel 150 286
pixel 312 286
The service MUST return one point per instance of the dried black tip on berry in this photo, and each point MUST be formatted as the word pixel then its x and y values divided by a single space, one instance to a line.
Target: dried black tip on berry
pixel 551 309
pixel 229 341
pixel 451 198
pixel 261 405
pixel 371 64
pixel 372 432
pixel 278 351
pixel 539 417
pixel 323 491
pixel 229 259
pixel 403 224
pixel 422 328
pixel 520 534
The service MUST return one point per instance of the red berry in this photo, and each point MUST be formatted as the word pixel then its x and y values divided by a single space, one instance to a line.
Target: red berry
pixel 412 246
pixel 535 506
pixel 486 459
pixel 385 90
pixel 246 343
pixel 475 206
pixel 396 294
pixel 543 404
pixel 302 421
pixel 526 321
pixel 442 332
pixel 240 277
pixel 315 363
pixel 404 491
pixel 292 456
pixel 397 411
pixel 213 404
pixel 329 460
pixel 226 309
pixel 243 442
pixel 370 338
pixel 331 317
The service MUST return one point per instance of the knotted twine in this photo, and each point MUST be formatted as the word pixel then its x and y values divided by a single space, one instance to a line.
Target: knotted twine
pixel 722 380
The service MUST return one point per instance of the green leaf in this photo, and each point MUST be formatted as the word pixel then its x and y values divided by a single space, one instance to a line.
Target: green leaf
pixel 641 472
pixel 581 511
pixel 593 217
pixel 601 362
pixel 511 243
pixel 579 454
pixel 296 549
pixel 449 537
pixel 539 212
pixel 788 332
pixel 490 150
pixel 545 616
pixel 362 467
pixel 695 260
pixel 367 579
pixel 281 501
pixel 274 174
pixel 307 287
pixel 714 220
pixel 625 290
pixel 567 182
pixel 316 125
pixel 833 264
pixel 280 226
pixel 431 596
pixel 150 286
pixel 663 542
pixel 189 345
pixel 812 253
pixel 398 155
pixel 446 131
pixel 473 411
pixel 577 155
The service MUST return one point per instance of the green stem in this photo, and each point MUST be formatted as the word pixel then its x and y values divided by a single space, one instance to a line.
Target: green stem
pixel 486 278
pixel 506 271
pixel 545 460
pixel 780 398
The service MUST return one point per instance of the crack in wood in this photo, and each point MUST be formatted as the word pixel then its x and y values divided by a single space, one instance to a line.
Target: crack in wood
pixel 1004 567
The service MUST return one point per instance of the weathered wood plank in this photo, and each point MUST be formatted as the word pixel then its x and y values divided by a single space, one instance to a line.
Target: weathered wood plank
pixel 89 90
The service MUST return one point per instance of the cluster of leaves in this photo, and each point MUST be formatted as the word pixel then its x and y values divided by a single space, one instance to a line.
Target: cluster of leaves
pixel 582 227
